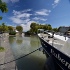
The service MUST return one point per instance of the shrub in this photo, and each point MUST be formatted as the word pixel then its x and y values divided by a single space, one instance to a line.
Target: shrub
pixel 12 33
pixel 1 49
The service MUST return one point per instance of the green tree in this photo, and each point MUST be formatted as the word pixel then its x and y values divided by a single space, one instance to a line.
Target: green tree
pixel 10 28
pixel 45 27
pixel 4 28
pixel 19 28
pixel 55 29
pixel 0 18
pixel 0 28
pixel 33 27
pixel 3 8
pixel 49 27
pixel 59 28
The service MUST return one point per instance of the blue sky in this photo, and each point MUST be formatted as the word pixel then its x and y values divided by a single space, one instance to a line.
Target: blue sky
pixel 24 12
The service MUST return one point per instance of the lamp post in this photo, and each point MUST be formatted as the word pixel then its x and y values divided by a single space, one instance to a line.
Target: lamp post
pixel 52 37
pixel 0 38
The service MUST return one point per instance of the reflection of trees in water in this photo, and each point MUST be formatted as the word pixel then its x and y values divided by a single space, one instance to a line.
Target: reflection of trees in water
pixel 34 41
pixel 11 39
pixel 18 41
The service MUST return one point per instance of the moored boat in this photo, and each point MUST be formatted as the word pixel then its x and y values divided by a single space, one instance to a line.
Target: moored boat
pixel 58 47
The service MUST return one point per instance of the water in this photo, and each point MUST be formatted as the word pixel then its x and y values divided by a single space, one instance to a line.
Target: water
pixel 24 45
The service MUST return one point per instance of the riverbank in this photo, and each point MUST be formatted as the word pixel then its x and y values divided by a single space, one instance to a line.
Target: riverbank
pixel 7 55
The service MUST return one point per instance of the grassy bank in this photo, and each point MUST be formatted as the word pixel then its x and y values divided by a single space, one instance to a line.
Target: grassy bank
pixel 2 49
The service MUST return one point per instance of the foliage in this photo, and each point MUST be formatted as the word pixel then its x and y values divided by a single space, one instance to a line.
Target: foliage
pixel 4 27
pixel 12 33
pixel 59 28
pixel 55 29
pixel 0 18
pixel 34 27
pixel 0 28
pixel 19 28
pixel 3 8
pixel 27 33
pixel 1 49
pixel 10 28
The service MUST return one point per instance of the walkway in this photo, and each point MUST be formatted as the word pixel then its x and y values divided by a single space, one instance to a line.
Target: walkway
pixel 7 55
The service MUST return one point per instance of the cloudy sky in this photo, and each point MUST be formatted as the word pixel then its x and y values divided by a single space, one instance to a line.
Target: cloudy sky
pixel 24 12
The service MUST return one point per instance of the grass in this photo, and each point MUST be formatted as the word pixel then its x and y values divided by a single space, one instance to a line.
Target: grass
pixel 1 49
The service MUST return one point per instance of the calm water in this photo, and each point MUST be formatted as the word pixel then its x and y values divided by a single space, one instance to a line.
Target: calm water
pixel 25 45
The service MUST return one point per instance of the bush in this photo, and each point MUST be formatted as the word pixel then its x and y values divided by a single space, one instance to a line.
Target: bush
pixel 27 33
pixel 1 49
pixel 12 33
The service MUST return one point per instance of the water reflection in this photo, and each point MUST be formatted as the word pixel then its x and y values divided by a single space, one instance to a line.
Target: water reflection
pixel 19 40
pixel 34 41
pixel 31 63
pixel 11 39
pixel 25 45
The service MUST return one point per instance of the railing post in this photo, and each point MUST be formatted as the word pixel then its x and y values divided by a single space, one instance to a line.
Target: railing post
pixel 15 66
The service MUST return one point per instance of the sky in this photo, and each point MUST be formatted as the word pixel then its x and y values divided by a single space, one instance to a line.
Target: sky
pixel 24 12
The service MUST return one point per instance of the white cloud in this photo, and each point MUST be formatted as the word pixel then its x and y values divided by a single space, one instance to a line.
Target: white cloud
pixel 16 20
pixel 13 1
pixel 21 14
pixel 55 3
pixel 5 1
pixel 27 10
pixel 43 12
pixel 21 18
pixel 16 12
pixel 26 27
pixel 39 18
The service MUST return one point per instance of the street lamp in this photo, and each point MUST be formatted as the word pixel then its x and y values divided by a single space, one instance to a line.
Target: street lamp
pixel 53 37
pixel 0 38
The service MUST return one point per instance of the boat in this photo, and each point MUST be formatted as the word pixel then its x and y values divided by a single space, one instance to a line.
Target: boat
pixel 58 47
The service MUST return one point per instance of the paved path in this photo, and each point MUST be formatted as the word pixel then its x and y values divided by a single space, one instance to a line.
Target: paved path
pixel 7 55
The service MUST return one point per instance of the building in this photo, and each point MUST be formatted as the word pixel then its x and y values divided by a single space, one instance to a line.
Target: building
pixel 64 29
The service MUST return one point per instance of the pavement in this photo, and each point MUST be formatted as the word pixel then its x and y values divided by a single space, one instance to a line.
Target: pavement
pixel 7 55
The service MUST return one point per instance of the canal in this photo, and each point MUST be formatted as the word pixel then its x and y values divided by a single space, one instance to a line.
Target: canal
pixel 24 45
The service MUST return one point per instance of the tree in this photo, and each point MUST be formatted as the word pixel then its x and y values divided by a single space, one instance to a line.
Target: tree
pixel 0 18
pixel 33 27
pixel 3 8
pixel 49 27
pixel 0 28
pixel 59 28
pixel 55 29
pixel 45 27
pixel 19 28
pixel 4 27
pixel 10 28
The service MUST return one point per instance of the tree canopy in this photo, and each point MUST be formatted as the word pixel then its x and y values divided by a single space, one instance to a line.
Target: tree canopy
pixel 10 28
pixel 3 8
pixel 19 28
pixel 55 29
pixel 4 27
pixel 34 27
